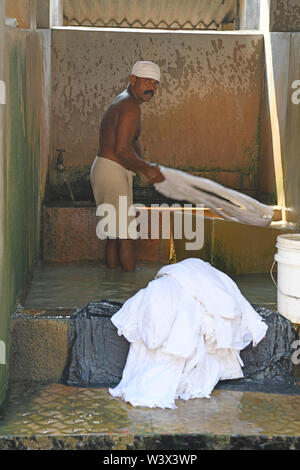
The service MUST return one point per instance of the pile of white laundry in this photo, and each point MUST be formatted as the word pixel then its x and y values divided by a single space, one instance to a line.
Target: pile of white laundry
pixel 228 203
pixel 186 329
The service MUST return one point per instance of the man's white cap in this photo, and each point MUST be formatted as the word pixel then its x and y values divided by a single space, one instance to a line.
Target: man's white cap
pixel 146 69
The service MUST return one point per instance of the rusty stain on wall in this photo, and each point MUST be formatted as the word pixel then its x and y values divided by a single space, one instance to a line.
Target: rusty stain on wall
pixel 19 9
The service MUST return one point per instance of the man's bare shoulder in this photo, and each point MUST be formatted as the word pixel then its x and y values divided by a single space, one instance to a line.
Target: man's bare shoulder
pixel 125 103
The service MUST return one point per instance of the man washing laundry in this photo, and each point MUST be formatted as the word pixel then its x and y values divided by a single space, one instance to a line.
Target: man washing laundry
pixel 119 157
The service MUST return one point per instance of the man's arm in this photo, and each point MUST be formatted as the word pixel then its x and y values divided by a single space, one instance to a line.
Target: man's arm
pixel 137 147
pixel 128 124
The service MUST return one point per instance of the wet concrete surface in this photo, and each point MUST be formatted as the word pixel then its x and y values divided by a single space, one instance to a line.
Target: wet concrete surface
pixel 56 416
pixel 76 284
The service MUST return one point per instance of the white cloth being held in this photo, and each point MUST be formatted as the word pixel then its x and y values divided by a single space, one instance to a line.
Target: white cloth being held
pixel 186 329
pixel 229 203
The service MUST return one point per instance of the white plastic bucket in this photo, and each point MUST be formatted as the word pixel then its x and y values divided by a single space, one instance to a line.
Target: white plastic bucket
pixel 288 276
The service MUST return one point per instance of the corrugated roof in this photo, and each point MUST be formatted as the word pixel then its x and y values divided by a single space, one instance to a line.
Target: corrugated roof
pixel 162 14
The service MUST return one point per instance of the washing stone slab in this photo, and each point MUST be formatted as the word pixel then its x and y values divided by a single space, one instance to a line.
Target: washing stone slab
pixel 41 341
pixel 97 355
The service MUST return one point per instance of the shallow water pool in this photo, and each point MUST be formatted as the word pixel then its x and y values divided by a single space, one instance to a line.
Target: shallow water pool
pixel 76 284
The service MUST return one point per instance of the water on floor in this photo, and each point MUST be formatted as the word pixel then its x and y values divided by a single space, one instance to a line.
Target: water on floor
pixel 258 289
pixel 73 285
pixel 38 411
pixel 76 284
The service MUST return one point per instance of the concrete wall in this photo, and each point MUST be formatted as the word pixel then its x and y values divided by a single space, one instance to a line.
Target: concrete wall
pixel 204 119
pixel 270 15
pixel 284 15
pixel 267 177
pixel 21 10
pixel 280 141
pixel 291 167
pixel 24 164
pixel 3 321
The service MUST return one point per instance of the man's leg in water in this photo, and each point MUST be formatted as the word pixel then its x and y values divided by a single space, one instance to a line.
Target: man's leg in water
pixel 126 255
pixel 120 251
pixel 112 253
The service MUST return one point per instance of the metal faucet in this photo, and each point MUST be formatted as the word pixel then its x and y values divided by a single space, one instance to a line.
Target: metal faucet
pixel 60 160
pixel 61 167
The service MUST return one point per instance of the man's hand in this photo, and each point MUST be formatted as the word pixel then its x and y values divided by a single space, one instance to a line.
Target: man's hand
pixel 154 174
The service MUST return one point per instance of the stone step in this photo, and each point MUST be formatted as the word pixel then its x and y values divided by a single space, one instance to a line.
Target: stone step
pixel 58 417
pixel 69 234
pixel 40 345
pixel 41 412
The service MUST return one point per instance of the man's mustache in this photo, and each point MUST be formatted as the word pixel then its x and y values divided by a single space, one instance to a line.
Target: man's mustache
pixel 150 92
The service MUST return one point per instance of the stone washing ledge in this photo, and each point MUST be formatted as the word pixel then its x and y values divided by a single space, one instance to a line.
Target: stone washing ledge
pixel 151 442
pixel 40 345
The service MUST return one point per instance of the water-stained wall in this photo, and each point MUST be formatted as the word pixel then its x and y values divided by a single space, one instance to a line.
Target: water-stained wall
pixel 284 15
pixel 280 138
pixel 204 119
pixel 24 163
pixel 21 11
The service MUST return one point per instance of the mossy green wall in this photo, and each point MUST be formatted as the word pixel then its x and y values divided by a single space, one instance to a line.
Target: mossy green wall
pixel 22 174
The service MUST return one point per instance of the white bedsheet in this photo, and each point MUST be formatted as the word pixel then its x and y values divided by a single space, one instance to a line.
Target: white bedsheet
pixel 229 203
pixel 186 329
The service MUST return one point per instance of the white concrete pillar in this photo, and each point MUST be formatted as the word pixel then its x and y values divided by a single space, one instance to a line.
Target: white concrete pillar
pixel 264 22
pixel 49 13
pixel 250 14
pixel 277 89
pixel 56 13
pixel 33 10
pixel 277 77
